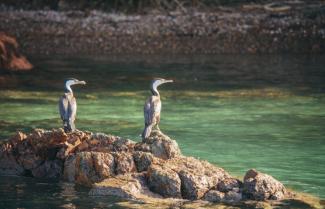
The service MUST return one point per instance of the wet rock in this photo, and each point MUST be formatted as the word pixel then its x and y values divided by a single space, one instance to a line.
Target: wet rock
pixel 142 160
pixel 162 146
pixel 49 169
pixel 124 163
pixel 164 181
pixel 10 57
pixel 260 186
pixel 70 168
pixel 9 165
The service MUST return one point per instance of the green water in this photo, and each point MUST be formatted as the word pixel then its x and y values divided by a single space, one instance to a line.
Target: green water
pixel 239 112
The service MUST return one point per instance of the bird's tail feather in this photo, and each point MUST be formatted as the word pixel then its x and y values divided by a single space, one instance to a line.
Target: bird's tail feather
pixel 146 132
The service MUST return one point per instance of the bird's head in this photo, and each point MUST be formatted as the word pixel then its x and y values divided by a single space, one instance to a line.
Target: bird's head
pixel 72 81
pixel 157 82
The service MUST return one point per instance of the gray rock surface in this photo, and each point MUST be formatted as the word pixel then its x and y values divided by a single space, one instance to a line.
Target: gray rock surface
pixel 260 186
pixel 164 181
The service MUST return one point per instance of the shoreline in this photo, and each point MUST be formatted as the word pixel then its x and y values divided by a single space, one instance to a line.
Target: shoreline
pixel 239 30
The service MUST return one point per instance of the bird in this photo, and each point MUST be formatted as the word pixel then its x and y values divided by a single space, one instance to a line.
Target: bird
pixel 152 108
pixel 68 105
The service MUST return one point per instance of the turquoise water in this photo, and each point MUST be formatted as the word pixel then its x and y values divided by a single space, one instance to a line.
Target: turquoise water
pixel 239 112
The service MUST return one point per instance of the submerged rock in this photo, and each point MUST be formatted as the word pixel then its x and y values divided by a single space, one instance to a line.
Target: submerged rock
pixel 152 170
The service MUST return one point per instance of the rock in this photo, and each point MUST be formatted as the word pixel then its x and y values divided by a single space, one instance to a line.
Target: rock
pixel 104 164
pixel 233 197
pixel 162 146
pixel 223 197
pixel 9 165
pixel 164 181
pixel 69 170
pixel 193 186
pixel 49 169
pixel 84 172
pixel 121 144
pixel 214 196
pixel 142 160
pixel 10 57
pixel 197 176
pixel 260 186
pixel 131 186
pixel 124 163
pixel 153 170
pixel 92 167
pixel 229 184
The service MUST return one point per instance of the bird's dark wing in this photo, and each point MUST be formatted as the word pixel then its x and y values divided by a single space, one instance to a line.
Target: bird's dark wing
pixel 63 107
pixel 148 111
pixel 152 110
pixel 72 108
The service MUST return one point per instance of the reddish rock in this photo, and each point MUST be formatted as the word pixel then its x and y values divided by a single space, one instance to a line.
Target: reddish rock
pixel 124 163
pixel 10 57
pixel 164 181
pixel 142 160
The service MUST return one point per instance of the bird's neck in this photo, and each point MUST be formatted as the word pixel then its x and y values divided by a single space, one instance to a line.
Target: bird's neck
pixel 68 89
pixel 154 91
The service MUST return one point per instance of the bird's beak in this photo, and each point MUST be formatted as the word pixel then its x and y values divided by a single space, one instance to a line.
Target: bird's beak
pixel 168 81
pixel 81 82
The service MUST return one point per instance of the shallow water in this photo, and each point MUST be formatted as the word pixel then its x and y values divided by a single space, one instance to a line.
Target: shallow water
pixel 239 112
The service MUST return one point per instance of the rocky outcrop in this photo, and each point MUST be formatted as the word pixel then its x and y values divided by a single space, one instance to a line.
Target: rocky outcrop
pixel 151 170
pixel 260 186
pixel 10 57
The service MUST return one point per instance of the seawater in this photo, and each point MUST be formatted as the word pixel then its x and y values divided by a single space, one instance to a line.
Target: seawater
pixel 236 111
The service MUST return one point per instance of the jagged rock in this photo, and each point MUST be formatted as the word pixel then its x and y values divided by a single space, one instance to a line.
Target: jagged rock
pixel 49 169
pixel 131 186
pixel 124 186
pixel 197 176
pixel 69 171
pixel 260 186
pixel 142 160
pixel 229 184
pixel 9 165
pixel 223 197
pixel 162 146
pixel 92 167
pixel 10 57
pixel 114 165
pixel 121 144
pixel 214 196
pixel 193 186
pixel 124 163
pixel 164 181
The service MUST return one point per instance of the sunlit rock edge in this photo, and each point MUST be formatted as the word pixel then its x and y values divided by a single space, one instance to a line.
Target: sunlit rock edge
pixel 152 172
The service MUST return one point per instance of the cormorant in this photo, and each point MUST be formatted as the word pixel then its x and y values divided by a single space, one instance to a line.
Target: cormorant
pixel 68 105
pixel 152 108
